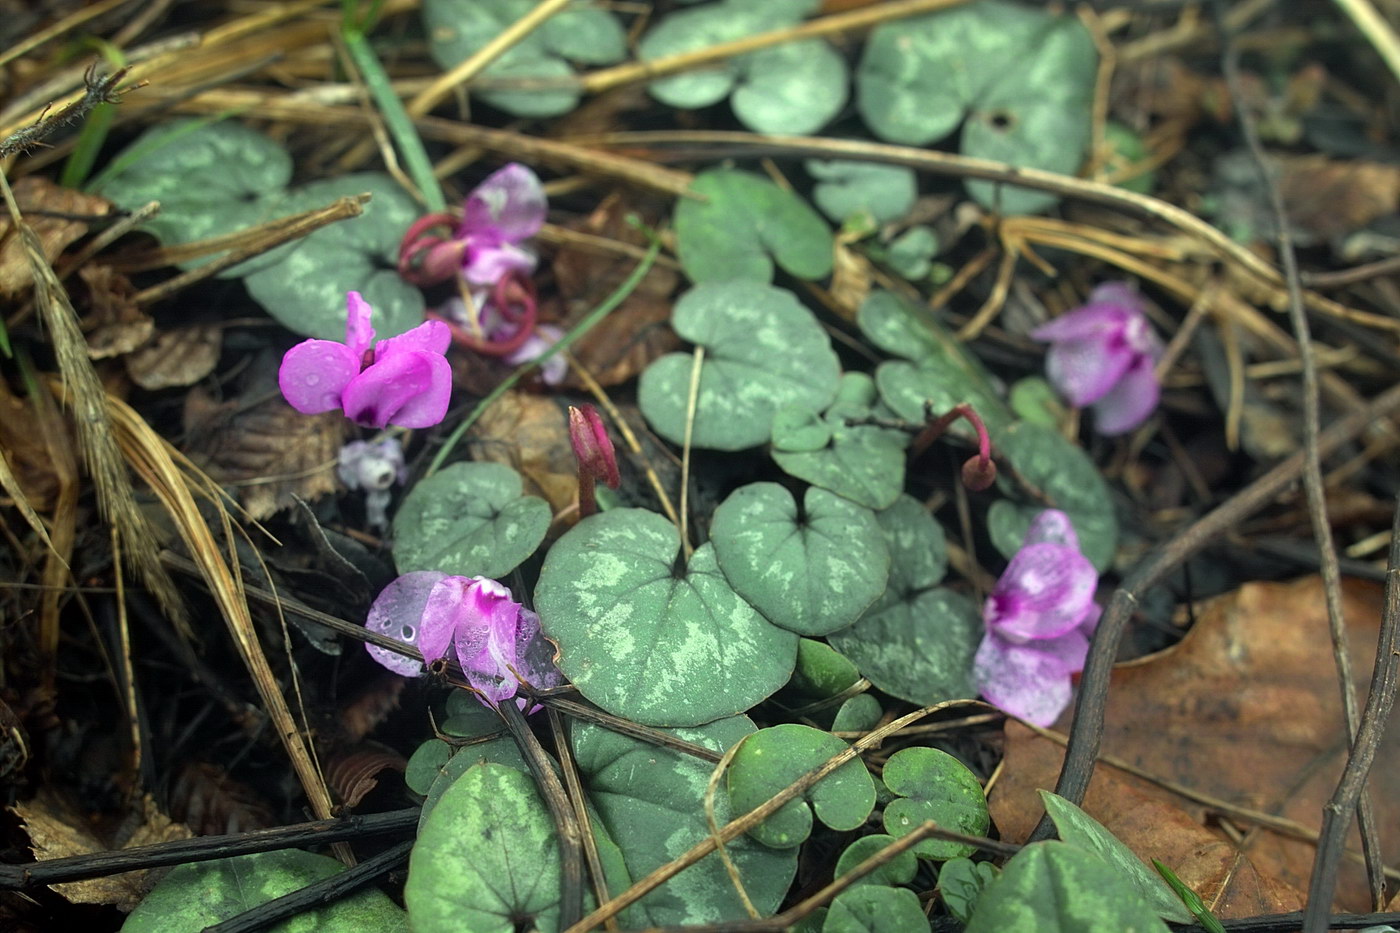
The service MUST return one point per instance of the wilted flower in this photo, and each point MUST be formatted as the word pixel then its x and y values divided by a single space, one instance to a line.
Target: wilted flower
pixel 1105 355
pixel 499 215
pixel 515 339
pixel 597 460
pixel 408 383
pixel 1038 618
pixel 373 467
pixel 493 637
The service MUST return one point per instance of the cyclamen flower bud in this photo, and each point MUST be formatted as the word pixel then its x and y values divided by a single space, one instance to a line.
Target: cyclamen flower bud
pixel 597 460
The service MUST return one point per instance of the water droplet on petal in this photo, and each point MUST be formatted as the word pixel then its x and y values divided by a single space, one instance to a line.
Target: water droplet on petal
pixel 408 633
pixel 313 379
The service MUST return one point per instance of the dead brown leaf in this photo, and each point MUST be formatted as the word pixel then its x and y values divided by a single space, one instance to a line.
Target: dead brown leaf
pixel 211 802
pixel 176 358
pixel 530 433
pixel 352 774
pixel 1245 709
pixel 638 330
pixel 57 215
pixel 57 828
pixel 115 324
pixel 1330 198
pixel 269 451
pixel 24 437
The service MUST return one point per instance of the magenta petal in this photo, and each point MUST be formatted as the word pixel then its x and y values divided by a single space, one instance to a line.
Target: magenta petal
pixel 1088 323
pixel 374 397
pixel 1051 527
pixel 1130 402
pixel 441 615
pixel 315 373
pixel 485 640
pixel 1116 293
pixel 397 612
pixel 1045 591
pixel 429 337
pixel 358 332
pixel 510 201
pixel 1021 680
pixel 489 264
pixel 1083 371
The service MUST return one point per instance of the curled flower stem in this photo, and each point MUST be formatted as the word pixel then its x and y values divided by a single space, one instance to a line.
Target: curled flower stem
pixel 979 471
pixel 514 297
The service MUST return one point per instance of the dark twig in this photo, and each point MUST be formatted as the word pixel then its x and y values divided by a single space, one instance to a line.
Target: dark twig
pixel 1315 492
pixel 1352 784
pixel 1086 733
pixel 205 848
pixel 101 89
pixel 578 801
pixel 566 826
pixel 316 894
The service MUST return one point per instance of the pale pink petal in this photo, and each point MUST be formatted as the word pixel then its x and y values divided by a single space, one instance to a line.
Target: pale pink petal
pixel 375 396
pixel 1083 371
pixel 429 337
pixel 552 370
pixel 1045 591
pixel 314 374
pixel 398 612
pixel 490 262
pixel 510 202
pixel 1065 653
pixel 441 616
pixel 1051 527
pixel 1130 402
pixel 1089 322
pixel 485 641
pixel 358 332
pixel 1139 337
pixel 1021 680
pixel 1116 293
pixel 535 654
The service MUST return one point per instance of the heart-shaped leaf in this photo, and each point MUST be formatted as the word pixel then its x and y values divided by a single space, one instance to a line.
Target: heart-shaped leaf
pixel 773 758
pixel 646 642
pixel 941 371
pixel 210 179
pixel 898 870
pixel 201 894
pixel 763 351
pixel 821 670
pixel 858 714
pixel 813 571
pixel 845 188
pixel 1066 479
pixel 862 462
pixel 875 908
pixel 305 289
pixel 911 253
pixel 469 519
pixel 961 882
pixel 1080 829
pixel 743 219
pixel 1053 887
pixel 436 764
pixel 1022 77
pixel 916 642
pixel 650 800
pixel 458 29
pixel 933 785
pixel 486 858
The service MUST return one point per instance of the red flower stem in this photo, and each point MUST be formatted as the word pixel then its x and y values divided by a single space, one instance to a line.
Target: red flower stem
pixel 979 466
pixel 587 501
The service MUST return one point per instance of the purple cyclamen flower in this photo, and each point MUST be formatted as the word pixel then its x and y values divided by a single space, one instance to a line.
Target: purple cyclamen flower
pixel 408 382
pixel 496 329
pixel 1105 355
pixel 494 637
pixel 499 215
pixel 1038 618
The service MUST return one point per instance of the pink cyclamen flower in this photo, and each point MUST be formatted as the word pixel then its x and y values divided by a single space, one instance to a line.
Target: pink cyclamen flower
pixel 1038 619
pixel 493 637
pixel 499 215
pixel 408 382
pixel 515 339
pixel 1105 355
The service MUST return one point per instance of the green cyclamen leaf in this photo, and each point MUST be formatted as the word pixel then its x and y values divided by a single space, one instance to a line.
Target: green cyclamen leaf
pixel 899 870
pixel 821 670
pixel 858 714
pixel 305 290
pixel 583 32
pixel 646 642
pixel 743 220
pixel 773 758
pixel 651 802
pixel 1064 474
pixel 486 859
pixel 195 896
pixel 763 351
pixel 1080 829
pixel 961 882
pixel 845 188
pixel 876 909
pixel 1053 887
pixel 933 785
pixel 469 519
pixel 813 571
